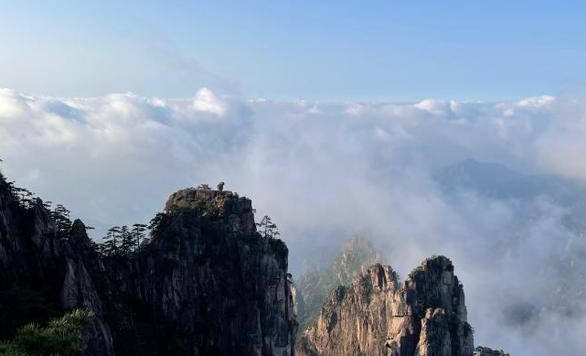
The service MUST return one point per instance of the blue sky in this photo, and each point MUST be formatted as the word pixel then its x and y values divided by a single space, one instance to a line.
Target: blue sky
pixel 315 50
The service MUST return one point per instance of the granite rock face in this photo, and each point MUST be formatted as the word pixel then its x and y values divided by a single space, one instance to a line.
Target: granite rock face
pixel 376 315
pixel 356 255
pixel 206 284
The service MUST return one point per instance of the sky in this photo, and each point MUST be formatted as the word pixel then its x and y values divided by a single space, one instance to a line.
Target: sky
pixel 314 50
pixel 334 117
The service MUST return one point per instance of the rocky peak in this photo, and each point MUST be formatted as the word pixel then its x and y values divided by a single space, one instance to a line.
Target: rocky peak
pixel 433 284
pixel 214 203
pixel 191 198
pixel 376 316
pixel 354 258
pixel 207 284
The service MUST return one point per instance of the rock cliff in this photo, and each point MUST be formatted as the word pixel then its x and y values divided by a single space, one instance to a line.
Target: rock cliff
pixel 206 284
pixel 376 315
pixel 356 255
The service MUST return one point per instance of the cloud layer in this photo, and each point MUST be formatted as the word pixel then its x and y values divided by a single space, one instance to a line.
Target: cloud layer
pixel 325 171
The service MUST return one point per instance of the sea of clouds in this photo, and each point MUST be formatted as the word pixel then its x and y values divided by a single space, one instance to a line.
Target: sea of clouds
pixel 325 171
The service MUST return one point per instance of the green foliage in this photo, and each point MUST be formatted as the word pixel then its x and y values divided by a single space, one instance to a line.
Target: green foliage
pixel 60 337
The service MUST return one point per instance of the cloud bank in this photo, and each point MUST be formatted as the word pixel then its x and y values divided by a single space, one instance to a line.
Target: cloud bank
pixel 324 171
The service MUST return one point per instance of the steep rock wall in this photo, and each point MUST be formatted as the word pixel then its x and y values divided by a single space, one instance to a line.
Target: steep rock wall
pixel 376 315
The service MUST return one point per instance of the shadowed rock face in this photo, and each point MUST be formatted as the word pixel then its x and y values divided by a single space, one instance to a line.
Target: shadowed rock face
pixel 207 284
pixel 43 273
pixel 376 315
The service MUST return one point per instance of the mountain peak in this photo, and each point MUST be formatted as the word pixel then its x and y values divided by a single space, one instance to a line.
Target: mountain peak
pixel 374 316
pixel 190 198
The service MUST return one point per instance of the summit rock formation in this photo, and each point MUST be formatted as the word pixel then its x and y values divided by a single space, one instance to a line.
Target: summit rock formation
pixel 207 283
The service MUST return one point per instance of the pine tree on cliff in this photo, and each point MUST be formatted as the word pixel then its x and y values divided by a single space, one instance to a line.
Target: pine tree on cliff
pixel 138 233
pixel 156 223
pixel 24 196
pixel 267 228
pixel 126 241
pixel 61 219
pixel 111 244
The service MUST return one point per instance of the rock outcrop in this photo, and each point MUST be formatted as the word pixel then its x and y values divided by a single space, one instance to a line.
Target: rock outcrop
pixel 206 284
pixel 376 315
pixel 356 255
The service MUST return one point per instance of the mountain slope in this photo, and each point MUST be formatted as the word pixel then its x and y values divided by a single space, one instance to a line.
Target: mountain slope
pixel 355 256
pixel 207 284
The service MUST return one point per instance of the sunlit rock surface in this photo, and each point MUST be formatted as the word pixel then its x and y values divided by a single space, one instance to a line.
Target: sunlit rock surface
pixel 376 315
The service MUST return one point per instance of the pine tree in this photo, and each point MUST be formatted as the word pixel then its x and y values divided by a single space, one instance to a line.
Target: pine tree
pixel 61 219
pixel 126 241
pixel 155 223
pixel 111 244
pixel 138 233
pixel 47 204
pixel 267 228
pixel 24 197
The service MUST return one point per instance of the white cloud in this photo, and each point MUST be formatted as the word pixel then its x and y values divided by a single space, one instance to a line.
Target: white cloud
pixel 321 170
pixel 537 102
pixel 205 100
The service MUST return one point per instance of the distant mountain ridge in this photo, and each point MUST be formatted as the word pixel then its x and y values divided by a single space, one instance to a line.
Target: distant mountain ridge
pixel 530 199
pixel 498 181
